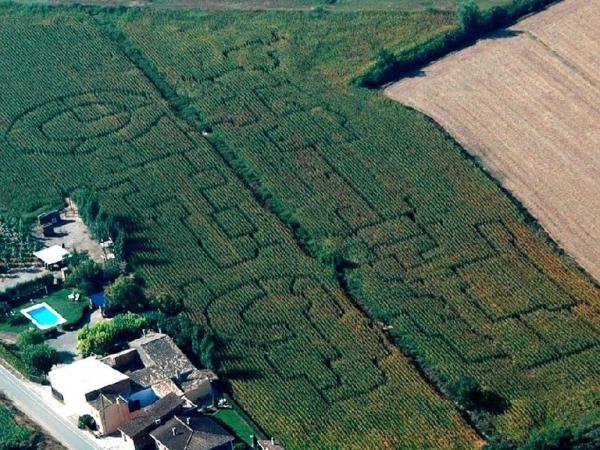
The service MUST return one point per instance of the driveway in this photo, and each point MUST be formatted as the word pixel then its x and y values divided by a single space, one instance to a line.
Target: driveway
pixel 36 408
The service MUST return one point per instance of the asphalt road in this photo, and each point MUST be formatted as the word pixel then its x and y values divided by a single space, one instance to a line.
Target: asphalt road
pixel 31 404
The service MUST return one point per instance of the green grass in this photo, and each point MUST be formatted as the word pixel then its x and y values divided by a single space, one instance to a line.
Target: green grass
pixel 234 421
pixel 11 434
pixel 13 359
pixel 71 311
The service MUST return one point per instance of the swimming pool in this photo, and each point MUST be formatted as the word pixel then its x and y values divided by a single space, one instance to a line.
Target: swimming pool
pixel 43 316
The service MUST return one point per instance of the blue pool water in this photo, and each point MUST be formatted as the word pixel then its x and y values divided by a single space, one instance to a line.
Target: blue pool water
pixel 44 316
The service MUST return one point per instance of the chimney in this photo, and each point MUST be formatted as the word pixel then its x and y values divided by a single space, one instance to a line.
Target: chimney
pixel 187 420
pixel 174 431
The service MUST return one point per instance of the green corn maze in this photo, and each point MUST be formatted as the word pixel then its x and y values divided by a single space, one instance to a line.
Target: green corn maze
pixel 295 161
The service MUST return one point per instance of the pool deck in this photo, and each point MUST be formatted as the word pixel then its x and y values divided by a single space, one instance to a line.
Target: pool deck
pixel 27 313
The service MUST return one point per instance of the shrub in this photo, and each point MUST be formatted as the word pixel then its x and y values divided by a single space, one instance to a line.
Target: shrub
pixel 29 337
pixel 5 309
pixel 86 421
pixel 39 358
pixel 103 337
pixel 167 304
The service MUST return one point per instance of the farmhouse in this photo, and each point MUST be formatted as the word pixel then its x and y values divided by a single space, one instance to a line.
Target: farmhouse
pixel 192 433
pixel 119 388
pixel 91 387
pixel 136 431
pixel 52 257
pixel 167 369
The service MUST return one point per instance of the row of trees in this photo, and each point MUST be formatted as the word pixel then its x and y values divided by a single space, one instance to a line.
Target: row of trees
pixel 101 223
pixel 472 24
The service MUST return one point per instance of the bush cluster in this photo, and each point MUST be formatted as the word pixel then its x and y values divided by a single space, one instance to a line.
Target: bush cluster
pixel 37 356
pixel 105 336
pixel 102 225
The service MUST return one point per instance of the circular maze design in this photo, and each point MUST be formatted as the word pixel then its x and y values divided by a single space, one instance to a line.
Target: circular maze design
pixel 83 123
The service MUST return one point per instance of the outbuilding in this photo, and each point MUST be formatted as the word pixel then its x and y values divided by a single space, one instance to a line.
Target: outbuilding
pixel 52 257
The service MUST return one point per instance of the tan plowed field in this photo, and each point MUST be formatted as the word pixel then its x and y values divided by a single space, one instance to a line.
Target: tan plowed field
pixel 527 103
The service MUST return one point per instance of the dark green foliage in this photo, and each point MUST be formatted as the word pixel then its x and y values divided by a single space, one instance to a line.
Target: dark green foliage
pixel 562 438
pixel 39 358
pixel 85 422
pixel 5 309
pixel 166 304
pixel 470 395
pixel 469 17
pixel 125 294
pixel 86 275
pixel 554 437
pixel 183 331
pixel 29 337
pixel 206 352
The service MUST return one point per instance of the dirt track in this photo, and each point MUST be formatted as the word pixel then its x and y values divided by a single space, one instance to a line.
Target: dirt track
pixel 527 103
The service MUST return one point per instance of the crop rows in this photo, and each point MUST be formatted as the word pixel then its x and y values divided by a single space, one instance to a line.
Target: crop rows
pixel 302 360
pixel 442 255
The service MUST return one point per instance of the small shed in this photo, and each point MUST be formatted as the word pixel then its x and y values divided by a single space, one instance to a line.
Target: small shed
pixel 49 218
pixel 52 257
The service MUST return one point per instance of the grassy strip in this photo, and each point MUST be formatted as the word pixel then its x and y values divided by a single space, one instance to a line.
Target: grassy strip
pixel 13 360
pixel 473 25
pixel 238 422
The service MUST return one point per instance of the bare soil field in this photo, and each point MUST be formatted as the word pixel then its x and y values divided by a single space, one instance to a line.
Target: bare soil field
pixel 526 102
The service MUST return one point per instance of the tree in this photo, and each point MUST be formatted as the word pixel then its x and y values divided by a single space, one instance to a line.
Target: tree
pixel 469 16
pixel 167 304
pixel 126 293
pixel 466 391
pixel 39 358
pixel 29 337
pixel 104 336
pixel 87 276
pixel 469 394
pixel 98 339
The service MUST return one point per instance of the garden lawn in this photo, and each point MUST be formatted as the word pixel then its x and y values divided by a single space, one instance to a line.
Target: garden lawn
pixel 235 422
pixel 59 300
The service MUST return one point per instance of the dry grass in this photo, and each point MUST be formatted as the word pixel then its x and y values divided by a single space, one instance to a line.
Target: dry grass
pixel 527 103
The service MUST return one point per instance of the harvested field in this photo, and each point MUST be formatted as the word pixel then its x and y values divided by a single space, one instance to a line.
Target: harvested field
pixel 527 103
